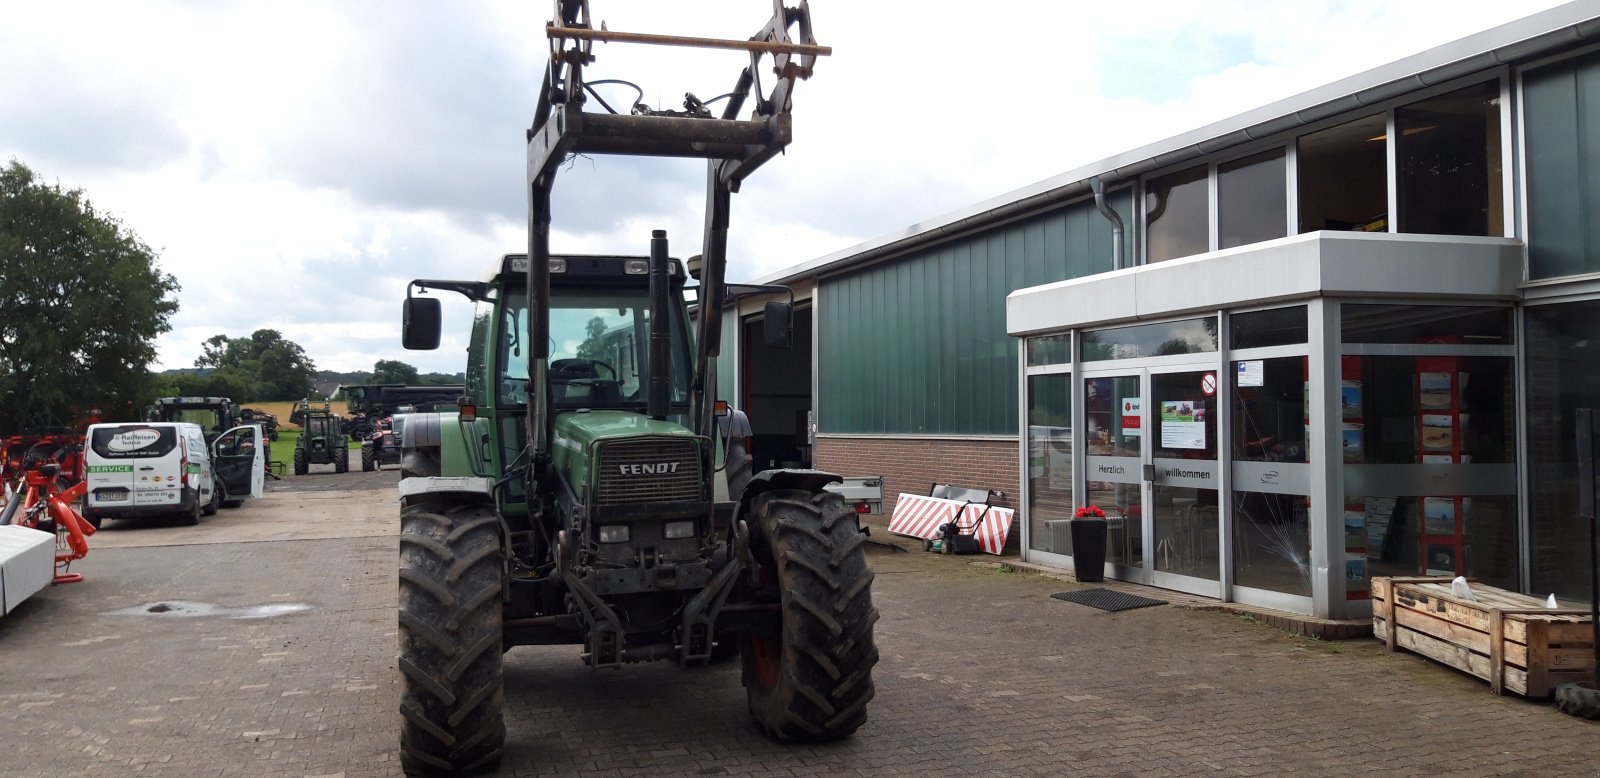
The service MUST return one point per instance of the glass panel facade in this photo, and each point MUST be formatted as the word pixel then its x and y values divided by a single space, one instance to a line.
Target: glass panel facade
pixel 1271 512
pixel 1050 504
pixel 1276 327
pixel 1177 214
pixel 1447 159
pixel 1562 375
pixel 1114 426
pixel 1561 104
pixel 1344 177
pixel 1189 336
pixel 1050 350
pixel 1252 200
pixel 1426 324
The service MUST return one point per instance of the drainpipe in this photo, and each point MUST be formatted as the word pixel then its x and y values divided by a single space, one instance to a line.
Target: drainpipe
pixel 1099 188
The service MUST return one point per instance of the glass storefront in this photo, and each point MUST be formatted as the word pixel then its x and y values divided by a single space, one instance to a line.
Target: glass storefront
pixel 1562 374
pixel 1214 486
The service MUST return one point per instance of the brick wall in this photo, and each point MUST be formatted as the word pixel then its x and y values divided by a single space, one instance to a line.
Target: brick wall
pixel 911 465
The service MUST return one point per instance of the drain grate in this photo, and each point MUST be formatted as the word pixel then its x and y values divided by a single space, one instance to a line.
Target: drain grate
pixel 1107 599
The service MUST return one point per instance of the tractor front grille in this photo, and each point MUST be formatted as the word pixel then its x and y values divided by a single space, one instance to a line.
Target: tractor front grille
pixel 648 470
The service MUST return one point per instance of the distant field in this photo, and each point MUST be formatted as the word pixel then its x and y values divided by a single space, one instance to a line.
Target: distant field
pixel 283 409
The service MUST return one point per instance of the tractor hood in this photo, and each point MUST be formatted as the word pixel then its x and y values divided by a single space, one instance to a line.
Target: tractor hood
pixel 659 451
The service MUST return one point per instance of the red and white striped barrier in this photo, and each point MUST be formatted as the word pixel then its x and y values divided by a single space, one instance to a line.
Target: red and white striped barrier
pixel 919 516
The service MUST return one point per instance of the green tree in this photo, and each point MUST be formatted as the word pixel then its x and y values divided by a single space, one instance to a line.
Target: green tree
pixel 82 300
pixel 271 366
pixel 393 371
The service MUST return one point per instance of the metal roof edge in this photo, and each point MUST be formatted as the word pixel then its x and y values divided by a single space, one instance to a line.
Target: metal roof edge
pixel 1530 36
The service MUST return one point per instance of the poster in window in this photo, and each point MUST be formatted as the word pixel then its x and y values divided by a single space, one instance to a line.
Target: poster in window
pixel 1352 442
pixel 1439 516
pixel 1349 399
pixel 1441 559
pixel 1438 432
pixel 1433 390
pixel 1183 424
pixel 1355 526
pixel 1355 575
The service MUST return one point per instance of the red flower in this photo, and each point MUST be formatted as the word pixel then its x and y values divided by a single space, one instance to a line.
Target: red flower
pixel 1089 512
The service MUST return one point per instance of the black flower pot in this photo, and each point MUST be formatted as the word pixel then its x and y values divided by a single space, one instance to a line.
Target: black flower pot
pixel 1089 549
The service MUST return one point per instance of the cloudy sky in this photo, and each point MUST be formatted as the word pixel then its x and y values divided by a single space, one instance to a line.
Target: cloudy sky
pixel 295 163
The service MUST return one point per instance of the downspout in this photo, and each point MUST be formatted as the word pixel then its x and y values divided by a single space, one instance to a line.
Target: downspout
pixel 1099 188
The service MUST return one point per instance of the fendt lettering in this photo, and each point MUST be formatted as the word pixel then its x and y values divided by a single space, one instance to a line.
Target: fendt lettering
pixel 662 468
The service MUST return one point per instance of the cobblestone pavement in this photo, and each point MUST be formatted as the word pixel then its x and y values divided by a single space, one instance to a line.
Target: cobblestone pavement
pixel 981 673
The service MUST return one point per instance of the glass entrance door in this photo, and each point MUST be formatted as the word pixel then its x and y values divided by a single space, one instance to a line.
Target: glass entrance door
pixel 1114 436
pixel 1185 514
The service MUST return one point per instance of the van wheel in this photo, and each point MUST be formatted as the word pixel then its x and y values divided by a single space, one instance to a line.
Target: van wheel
pixel 216 499
pixel 94 521
pixel 191 517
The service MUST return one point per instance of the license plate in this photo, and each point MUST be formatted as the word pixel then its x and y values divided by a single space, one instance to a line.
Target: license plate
pixel 112 496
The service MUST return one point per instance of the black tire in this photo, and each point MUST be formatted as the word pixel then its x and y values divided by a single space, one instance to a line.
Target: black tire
pixel 300 466
pixel 216 499
pixel 341 460
pixel 1580 700
pixel 191 517
pixel 451 664
pixel 811 681
pixel 94 520
pixel 367 463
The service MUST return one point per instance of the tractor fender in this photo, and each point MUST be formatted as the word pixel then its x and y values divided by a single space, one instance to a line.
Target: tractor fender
pixel 453 489
pixel 771 480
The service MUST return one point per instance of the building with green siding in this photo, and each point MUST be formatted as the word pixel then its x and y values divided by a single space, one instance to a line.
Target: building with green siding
pixel 1339 336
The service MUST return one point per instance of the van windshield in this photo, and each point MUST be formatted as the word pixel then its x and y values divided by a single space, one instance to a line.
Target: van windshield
pixel 133 440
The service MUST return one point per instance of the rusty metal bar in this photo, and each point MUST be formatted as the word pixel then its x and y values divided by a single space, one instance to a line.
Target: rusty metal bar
pixel 556 32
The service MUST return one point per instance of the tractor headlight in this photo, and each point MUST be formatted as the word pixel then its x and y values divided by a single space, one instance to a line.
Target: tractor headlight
pixel 614 533
pixel 677 530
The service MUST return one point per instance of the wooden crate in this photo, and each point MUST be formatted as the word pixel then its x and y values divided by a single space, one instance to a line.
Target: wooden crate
pixel 1510 640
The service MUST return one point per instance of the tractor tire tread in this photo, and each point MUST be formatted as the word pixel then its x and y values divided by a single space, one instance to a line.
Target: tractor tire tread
pixel 823 681
pixel 451 662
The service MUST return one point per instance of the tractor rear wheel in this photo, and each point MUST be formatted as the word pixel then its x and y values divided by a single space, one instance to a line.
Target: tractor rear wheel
pixel 300 467
pixel 451 662
pixel 341 460
pixel 810 679
pixel 367 464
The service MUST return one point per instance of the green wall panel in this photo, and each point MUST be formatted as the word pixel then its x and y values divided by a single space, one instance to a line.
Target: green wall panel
pixel 919 346
pixel 1562 109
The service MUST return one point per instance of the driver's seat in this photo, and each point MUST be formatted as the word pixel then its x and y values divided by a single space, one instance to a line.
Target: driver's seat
pixel 594 390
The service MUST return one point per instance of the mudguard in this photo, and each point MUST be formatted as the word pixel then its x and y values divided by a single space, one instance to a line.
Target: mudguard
pixel 770 480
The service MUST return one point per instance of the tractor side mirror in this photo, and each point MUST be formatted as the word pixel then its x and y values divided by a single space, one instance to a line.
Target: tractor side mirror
pixel 778 325
pixel 419 329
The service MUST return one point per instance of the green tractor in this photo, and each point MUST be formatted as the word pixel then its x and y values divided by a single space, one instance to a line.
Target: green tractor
pixel 581 493
pixel 321 440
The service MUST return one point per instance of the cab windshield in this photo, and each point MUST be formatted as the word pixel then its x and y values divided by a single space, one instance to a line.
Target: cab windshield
pixel 599 350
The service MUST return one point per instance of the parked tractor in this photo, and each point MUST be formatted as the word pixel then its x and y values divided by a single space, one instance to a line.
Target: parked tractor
pixel 581 492
pixel 382 446
pixel 268 422
pixel 321 440
pixel 365 404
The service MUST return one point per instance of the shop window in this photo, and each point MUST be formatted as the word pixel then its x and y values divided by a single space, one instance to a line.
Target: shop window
pixel 1050 503
pixel 1426 324
pixel 1189 336
pixel 1177 215
pixel 1050 350
pixel 1429 454
pixel 1252 200
pixel 1447 159
pixel 1563 374
pixel 1343 177
pixel 1275 327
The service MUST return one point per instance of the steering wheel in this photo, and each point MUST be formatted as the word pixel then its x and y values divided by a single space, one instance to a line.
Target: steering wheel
pixel 574 370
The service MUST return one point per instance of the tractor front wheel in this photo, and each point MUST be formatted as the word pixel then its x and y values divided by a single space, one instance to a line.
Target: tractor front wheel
pixel 367 464
pixel 300 467
pixel 451 663
pixel 810 679
pixel 341 460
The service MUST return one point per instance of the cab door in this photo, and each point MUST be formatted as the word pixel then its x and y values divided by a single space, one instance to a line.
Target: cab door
pixel 238 457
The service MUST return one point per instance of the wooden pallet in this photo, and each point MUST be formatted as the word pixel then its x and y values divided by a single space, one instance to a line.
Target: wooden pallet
pixel 1510 640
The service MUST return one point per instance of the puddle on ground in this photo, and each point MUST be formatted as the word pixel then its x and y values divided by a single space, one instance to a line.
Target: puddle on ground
pixel 185 608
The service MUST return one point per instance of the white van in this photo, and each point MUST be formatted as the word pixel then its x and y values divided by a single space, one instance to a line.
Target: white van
pixel 140 469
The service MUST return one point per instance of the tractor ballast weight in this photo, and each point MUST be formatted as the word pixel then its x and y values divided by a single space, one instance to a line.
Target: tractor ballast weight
pixel 321 440
pixel 579 492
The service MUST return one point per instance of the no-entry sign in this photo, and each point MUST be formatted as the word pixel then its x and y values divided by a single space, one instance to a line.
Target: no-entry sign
pixel 1208 384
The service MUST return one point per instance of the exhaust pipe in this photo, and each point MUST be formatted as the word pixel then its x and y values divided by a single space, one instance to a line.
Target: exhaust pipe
pixel 660 362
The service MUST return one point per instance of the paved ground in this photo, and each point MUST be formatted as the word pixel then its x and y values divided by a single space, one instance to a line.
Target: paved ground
pixel 275 657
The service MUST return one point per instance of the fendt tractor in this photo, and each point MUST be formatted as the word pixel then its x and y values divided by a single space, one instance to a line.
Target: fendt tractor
pixel 214 414
pixel 321 440
pixel 580 493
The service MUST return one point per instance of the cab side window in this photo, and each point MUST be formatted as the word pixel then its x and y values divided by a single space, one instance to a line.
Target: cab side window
pixel 228 445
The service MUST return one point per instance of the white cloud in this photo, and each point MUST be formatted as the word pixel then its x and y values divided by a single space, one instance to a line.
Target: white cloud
pixel 296 163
